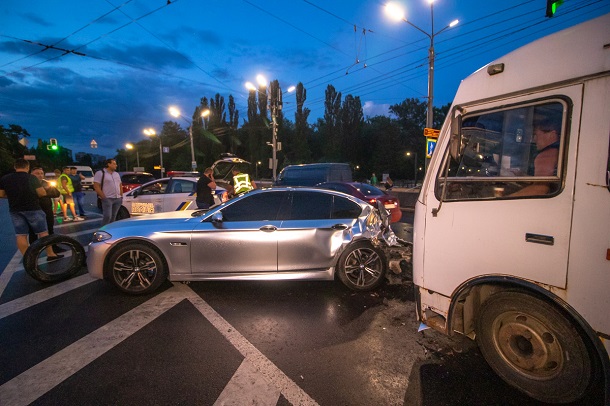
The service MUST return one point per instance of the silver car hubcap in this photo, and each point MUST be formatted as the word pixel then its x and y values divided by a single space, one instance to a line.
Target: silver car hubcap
pixel 135 270
pixel 363 267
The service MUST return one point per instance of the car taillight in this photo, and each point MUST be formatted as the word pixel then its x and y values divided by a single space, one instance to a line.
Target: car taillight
pixel 372 201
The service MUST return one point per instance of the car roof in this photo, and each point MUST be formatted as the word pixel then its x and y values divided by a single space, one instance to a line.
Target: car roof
pixel 135 173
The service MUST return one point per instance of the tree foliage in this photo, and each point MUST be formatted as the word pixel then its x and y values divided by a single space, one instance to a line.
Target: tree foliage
pixel 378 144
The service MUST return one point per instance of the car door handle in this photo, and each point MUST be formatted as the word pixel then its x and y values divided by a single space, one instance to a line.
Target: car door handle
pixel 339 227
pixel 268 229
pixel 540 239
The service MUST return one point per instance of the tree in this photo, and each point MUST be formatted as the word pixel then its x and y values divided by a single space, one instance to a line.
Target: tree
pixel 11 147
pixel 298 145
pixel 330 124
pixel 352 118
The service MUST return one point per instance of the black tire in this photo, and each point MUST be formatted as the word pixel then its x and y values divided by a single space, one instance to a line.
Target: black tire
pixel 123 213
pixel 36 264
pixel 534 347
pixel 361 266
pixel 136 268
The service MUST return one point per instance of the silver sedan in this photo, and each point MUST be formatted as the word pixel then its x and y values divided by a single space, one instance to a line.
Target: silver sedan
pixel 269 234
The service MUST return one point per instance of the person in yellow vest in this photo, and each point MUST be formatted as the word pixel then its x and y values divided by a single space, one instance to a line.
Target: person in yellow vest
pixel 240 183
pixel 66 188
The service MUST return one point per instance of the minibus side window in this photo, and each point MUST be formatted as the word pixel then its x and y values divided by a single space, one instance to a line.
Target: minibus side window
pixel 508 154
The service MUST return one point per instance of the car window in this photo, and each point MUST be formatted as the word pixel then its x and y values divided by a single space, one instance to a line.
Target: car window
pixel 255 207
pixel 310 206
pixel 369 190
pixel 339 187
pixel 141 179
pixel 129 179
pixel 345 209
pixel 181 186
pixel 510 153
pixel 154 188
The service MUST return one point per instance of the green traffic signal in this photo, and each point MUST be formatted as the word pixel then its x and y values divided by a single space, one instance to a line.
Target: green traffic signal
pixel 551 7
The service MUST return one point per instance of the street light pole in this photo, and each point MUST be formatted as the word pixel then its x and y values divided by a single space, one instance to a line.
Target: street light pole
pixel 129 145
pixel 193 162
pixel 394 11
pixel 414 167
pixel 174 111
pixel 151 132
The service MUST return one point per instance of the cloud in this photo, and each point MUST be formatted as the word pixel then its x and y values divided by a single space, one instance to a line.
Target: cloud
pixel 371 109
pixel 36 19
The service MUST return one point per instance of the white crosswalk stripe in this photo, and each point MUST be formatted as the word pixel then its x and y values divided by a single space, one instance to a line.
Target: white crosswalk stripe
pixel 257 380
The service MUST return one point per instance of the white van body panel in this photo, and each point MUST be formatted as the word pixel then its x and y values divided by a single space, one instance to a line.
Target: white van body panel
pixel 471 240
pixel 88 173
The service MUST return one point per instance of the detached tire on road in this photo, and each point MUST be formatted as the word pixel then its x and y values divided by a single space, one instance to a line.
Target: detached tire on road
pixel 361 267
pixel 38 266
pixel 136 268
pixel 534 347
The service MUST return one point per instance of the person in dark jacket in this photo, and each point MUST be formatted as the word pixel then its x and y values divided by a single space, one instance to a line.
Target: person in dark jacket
pixel 79 195
pixel 22 191
pixel 205 189
pixel 46 204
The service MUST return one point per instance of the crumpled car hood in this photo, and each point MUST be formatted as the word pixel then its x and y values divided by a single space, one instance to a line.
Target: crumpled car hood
pixel 377 227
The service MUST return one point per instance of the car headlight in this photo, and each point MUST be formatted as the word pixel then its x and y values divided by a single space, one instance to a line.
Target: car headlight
pixel 100 236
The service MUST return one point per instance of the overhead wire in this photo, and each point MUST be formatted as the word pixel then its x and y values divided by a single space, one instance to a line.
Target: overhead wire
pixel 457 51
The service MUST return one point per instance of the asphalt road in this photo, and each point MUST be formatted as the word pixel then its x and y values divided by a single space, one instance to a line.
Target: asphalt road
pixel 233 343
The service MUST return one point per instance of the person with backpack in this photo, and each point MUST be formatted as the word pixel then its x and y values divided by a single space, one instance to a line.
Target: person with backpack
pixel 107 185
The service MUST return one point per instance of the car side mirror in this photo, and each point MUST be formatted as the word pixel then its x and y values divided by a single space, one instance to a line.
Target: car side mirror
pixel 217 217
pixel 136 193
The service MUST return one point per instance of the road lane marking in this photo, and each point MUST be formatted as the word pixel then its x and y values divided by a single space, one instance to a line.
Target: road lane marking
pixel 14 306
pixel 44 376
pixel 13 266
pixel 291 391
pixel 248 387
pixel 257 378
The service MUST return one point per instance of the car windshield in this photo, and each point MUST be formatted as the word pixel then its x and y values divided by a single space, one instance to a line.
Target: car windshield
pixel 87 174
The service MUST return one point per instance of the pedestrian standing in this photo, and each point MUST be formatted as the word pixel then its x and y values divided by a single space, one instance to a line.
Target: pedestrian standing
pixel 23 190
pixel 47 205
pixel 374 180
pixel 240 183
pixel 79 195
pixel 59 201
pixel 205 189
pixel 107 185
pixel 66 188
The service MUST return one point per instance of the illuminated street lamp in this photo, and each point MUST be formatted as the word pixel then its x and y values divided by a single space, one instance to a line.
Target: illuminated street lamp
pixel 130 146
pixel 414 167
pixel 275 107
pixel 257 164
pixel 395 11
pixel 204 114
pixel 174 111
pixel 151 133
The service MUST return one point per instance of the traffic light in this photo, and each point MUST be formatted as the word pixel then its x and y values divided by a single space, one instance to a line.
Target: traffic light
pixel 551 7
pixel 53 145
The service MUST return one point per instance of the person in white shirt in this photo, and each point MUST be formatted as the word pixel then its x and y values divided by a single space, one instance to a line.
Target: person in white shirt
pixel 107 185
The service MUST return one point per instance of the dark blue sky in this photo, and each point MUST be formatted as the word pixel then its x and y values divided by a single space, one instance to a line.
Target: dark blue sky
pixel 132 59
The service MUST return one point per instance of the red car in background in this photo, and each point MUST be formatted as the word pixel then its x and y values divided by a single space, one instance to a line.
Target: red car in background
pixel 132 180
pixel 369 194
